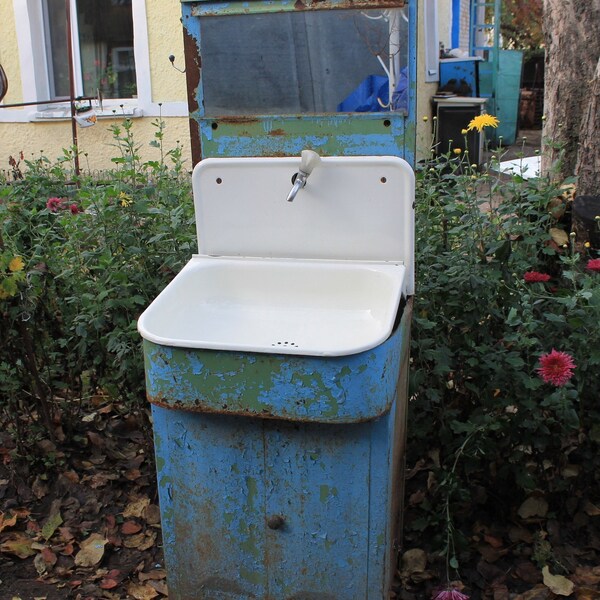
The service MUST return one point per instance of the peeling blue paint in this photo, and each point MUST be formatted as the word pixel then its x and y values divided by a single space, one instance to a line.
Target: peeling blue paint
pixel 332 390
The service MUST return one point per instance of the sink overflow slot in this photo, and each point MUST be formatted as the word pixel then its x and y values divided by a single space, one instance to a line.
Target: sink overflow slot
pixel 285 344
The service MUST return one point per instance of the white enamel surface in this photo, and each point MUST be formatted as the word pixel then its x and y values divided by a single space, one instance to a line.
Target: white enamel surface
pixel 310 307
pixel 357 208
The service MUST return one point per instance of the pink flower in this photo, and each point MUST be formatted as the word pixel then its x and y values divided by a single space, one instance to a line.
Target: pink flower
pixel 556 367
pixel 450 595
pixel 534 276
pixel 74 209
pixel 54 204
pixel 593 265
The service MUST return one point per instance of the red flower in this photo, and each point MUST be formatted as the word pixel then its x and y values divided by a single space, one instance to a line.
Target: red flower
pixel 593 265
pixel 54 204
pixel 534 276
pixel 74 209
pixel 450 595
pixel 556 367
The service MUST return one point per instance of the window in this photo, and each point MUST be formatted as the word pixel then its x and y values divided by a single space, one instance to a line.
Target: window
pixel 103 51
pixel 110 53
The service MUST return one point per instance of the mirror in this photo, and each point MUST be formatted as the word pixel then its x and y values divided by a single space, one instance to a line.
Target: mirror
pixel 323 61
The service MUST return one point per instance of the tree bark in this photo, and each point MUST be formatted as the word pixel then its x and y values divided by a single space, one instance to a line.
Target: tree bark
pixel 588 157
pixel 572 37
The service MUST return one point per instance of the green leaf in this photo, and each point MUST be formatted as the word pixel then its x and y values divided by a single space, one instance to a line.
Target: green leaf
pixel 513 318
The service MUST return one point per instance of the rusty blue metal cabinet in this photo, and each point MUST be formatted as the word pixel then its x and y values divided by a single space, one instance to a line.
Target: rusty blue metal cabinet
pixel 286 489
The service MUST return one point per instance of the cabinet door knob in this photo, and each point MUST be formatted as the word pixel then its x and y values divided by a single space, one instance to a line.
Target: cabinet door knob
pixel 275 522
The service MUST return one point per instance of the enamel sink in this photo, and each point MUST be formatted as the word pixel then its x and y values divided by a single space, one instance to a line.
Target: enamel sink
pixel 320 308
pixel 323 275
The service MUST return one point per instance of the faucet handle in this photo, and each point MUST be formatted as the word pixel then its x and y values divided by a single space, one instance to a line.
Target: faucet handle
pixel 308 161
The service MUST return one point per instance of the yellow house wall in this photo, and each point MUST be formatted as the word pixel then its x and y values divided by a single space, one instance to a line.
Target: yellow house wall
pixel 9 56
pixel 96 143
pixel 165 37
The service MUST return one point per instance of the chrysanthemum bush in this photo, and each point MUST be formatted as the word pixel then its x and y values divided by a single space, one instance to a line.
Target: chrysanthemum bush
pixel 80 258
pixel 505 353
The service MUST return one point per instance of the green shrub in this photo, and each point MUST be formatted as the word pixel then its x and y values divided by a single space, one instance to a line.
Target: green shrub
pixel 480 413
pixel 93 254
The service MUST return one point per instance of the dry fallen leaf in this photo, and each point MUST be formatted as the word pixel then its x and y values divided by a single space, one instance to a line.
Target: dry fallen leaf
pixel 18 544
pixel 108 584
pixel 160 587
pixel 152 514
pixel 133 541
pixel 40 487
pixel 141 592
pixel 141 541
pixel 539 592
pixel 557 584
pixel 587 575
pixel 591 509
pixel 7 521
pixel 155 574
pixel 534 506
pixel 91 551
pixel 560 236
pixel 130 527
pixel 414 563
pixel 44 561
pixel 136 508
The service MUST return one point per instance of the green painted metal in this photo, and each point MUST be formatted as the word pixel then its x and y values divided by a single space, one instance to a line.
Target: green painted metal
pixel 329 135
pixel 345 389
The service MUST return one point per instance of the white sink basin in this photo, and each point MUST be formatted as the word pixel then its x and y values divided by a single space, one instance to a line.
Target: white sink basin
pixel 287 306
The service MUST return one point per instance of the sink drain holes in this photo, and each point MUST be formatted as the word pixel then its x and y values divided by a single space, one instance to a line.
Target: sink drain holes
pixel 284 344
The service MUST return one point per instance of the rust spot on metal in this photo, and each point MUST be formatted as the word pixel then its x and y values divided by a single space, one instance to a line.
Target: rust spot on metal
pixel 193 64
pixel 237 120
pixel 196 406
pixel 346 4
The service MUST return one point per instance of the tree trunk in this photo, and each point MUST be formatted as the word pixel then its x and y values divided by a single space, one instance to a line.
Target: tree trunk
pixel 572 36
pixel 588 157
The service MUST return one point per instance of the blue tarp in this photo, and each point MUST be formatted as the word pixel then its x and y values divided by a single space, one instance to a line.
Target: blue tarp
pixel 372 95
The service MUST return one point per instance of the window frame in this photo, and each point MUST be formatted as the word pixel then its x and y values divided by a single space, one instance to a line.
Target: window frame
pixel 36 86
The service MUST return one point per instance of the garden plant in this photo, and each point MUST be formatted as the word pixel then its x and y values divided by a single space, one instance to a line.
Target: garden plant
pixel 503 419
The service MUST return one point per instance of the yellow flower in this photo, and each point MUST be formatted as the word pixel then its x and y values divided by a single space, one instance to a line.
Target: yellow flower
pixel 464 131
pixel 587 245
pixel 125 199
pixel 16 264
pixel 481 121
pixel 457 150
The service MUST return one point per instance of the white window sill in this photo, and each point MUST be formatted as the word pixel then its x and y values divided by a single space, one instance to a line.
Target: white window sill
pixel 61 112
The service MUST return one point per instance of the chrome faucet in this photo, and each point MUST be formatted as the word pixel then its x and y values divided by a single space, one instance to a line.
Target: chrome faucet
pixel 308 161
